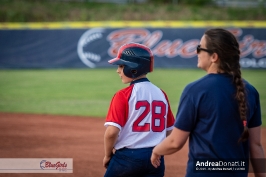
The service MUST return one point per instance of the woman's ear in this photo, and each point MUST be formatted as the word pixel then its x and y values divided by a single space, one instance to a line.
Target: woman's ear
pixel 214 58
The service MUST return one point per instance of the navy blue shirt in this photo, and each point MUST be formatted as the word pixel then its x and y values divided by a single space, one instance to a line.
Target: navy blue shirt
pixel 209 111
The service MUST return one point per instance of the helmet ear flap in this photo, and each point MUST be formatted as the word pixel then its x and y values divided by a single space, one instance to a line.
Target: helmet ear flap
pixel 134 71
pixel 127 71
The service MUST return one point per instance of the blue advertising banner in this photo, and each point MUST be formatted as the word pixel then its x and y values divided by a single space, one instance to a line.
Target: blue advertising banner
pixel 93 47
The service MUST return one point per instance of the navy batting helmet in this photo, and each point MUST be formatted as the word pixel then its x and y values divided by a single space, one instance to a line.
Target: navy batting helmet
pixel 136 58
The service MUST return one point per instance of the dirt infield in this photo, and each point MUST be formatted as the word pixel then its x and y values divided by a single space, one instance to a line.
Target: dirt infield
pixel 80 138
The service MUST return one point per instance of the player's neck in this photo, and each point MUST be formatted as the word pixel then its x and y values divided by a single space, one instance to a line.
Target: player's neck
pixel 140 77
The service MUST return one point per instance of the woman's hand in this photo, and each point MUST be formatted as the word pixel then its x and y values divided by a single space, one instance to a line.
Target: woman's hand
pixel 155 160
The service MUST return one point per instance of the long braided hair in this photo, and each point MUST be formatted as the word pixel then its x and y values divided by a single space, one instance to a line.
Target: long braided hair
pixel 225 44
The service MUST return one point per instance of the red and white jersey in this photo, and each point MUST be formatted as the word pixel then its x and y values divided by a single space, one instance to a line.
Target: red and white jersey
pixel 142 113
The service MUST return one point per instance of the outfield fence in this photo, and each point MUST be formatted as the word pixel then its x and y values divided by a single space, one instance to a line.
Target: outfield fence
pixel 92 44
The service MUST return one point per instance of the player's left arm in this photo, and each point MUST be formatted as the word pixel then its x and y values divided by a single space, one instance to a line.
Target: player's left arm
pixel 110 138
pixel 170 119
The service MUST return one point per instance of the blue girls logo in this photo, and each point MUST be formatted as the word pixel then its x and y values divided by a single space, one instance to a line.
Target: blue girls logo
pixel 42 164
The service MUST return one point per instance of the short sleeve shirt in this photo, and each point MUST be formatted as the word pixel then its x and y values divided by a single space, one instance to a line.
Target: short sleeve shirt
pixel 209 111
pixel 142 113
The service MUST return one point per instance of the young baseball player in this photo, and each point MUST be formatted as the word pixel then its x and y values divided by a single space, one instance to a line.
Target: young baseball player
pixel 138 119
pixel 220 113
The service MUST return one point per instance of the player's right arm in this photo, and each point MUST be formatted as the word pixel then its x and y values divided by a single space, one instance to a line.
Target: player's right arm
pixel 110 138
pixel 115 118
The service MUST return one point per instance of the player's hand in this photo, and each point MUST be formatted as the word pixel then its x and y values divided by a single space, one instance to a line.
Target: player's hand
pixel 106 161
pixel 155 160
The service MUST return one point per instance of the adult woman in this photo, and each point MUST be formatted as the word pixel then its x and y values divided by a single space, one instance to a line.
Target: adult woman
pixel 220 113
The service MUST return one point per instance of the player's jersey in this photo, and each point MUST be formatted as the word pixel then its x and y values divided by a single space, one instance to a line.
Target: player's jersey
pixel 142 113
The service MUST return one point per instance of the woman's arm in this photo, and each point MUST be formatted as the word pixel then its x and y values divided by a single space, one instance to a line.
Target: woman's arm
pixel 256 152
pixel 171 144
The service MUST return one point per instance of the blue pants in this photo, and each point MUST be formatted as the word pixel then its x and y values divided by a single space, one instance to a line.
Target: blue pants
pixel 133 163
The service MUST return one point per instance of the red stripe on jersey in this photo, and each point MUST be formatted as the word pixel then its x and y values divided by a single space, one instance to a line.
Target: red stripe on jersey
pixel 170 116
pixel 118 110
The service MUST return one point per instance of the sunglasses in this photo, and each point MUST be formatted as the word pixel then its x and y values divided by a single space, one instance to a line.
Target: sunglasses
pixel 200 49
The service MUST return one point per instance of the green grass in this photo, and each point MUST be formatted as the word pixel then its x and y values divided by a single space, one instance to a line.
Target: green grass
pixel 51 11
pixel 88 92
pixel 70 92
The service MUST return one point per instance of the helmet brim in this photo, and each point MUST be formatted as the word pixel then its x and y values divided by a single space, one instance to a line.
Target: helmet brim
pixel 118 61
pixel 113 61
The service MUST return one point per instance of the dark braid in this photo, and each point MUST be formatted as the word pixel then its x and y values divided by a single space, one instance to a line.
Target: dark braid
pixel 224 43
pixel 241 98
